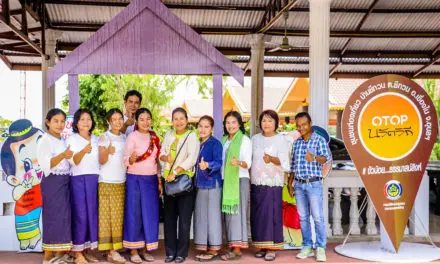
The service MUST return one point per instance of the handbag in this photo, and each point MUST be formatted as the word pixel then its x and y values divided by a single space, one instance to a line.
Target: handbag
pixel 182 183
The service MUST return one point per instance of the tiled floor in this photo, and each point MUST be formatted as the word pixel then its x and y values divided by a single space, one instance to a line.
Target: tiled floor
pixel 248 257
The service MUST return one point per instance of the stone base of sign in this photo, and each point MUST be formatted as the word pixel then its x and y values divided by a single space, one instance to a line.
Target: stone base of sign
pixel 372 251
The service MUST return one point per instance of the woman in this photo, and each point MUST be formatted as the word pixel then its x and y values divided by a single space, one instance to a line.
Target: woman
pixel 237 159
pixel 141 219
pixel 53 156
pixel 112 187
pixel 84 186
pixel 178 209
pixel 208 181
pixel 270 158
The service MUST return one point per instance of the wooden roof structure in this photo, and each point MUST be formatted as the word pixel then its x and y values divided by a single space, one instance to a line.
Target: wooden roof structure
pixel 367 37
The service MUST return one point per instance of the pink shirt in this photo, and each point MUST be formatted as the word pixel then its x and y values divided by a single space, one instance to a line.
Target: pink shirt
pixel 139 143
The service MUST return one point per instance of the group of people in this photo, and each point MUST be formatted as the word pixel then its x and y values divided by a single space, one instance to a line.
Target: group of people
pixel 103 192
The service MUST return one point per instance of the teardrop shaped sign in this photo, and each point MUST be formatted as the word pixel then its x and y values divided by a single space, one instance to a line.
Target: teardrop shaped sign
pixel 389 127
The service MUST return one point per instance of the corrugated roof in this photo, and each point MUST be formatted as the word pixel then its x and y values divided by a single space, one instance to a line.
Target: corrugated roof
pixel 397 44
pixel 259 3
pixel 412 16
pixel 402 22
pixel 82 14
pixel 219 18
pixel 379 68
pixel 407 4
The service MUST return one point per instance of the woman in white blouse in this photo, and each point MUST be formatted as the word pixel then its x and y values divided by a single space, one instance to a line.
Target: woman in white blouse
pixel 53 155
pixel 84 185
pixel 112 187
pixel 270 158
pixel 237 159
pixel 178 209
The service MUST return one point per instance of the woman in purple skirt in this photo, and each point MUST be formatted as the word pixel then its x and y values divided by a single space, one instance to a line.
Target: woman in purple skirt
pixel 53 155
pixel 84 186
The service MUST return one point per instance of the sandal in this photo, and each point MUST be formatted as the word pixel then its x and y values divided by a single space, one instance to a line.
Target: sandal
pixel 206 257
pixel 231 256
pixel 261 253
pixel 90 258
pixel 80 260
pixel 270 256
pixel 135 259
pixel 147 257
pixel 116 258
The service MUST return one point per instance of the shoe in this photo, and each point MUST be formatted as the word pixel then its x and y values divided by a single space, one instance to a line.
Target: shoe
pixel 180 260
pixel 305 253
pixel 320 254
pixel 169 259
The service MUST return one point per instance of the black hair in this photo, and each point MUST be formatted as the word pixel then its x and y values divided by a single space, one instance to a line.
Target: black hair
pixel 111 112
pixel 77 117
pixel 272 114
pixel 303 114
pixel 238 117
pixel 133 93
pixel 179 110
pixel 208 118
pixel 141 111
pixel 53 112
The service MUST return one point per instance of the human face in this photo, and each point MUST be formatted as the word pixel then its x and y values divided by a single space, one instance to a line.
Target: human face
pixel 85 123
pixel 144 122
pixel 205 129
pixel 132 105
pixel 232 125
pixel 179 122
pixel 116 122
pixel 268 124
pixel 56 124
pixel 303 125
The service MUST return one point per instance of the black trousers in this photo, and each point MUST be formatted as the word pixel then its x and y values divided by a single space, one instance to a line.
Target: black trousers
pixel 178 211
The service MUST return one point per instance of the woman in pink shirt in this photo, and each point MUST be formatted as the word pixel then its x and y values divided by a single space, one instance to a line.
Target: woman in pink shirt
pixel 143 188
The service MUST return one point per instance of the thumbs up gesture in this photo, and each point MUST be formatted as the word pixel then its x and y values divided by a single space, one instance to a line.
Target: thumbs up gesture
pixel 88 148
pixel 234 161
pixel 68 153
pixel 309 156
pixel 203 164
pixel 266 158
pixel 132 158
pixel 111 148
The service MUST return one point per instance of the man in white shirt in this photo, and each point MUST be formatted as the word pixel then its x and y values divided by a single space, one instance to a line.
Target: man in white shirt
pixel 132 102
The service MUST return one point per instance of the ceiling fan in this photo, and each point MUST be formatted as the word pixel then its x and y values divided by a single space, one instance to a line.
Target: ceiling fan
pixel 284 46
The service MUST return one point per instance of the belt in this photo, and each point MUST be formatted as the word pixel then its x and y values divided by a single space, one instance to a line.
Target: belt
pixel 312 179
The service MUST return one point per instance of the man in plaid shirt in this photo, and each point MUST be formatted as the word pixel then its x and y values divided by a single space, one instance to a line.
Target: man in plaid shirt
pixel 310 152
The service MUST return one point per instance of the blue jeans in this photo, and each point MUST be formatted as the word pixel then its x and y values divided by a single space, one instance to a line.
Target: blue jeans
pixel 309 200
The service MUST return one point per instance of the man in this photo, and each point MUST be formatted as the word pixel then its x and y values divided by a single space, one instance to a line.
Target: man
pixel 309 153
pixel 132 102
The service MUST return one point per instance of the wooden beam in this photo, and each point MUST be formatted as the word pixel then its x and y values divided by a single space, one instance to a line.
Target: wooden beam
pixel 12 45
pixel 6 61
pixel 22 49
pixel 433 61
pixel 333 34
pixel 29 55
pixel 88 3
pixel 24 24
pixel 273 13
pixel 24 37
pixel 342 75
pixel 6 16
pixel 25 67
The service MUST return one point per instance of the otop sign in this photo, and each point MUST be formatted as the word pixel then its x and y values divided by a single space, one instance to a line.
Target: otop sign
pixel 389 127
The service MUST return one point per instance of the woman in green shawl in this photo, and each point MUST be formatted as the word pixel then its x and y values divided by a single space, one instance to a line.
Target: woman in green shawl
pixel 237 159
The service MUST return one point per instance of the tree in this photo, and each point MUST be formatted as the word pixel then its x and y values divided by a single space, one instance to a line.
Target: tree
pixel 99 93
